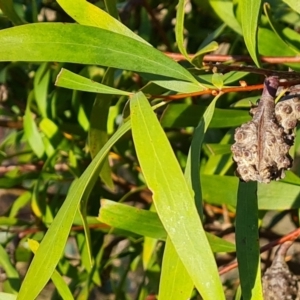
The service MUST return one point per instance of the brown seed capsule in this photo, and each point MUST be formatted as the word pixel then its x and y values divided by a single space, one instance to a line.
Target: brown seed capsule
pixel 264 142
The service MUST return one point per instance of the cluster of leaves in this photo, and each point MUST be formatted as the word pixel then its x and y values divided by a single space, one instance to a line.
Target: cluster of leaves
pixel 71 93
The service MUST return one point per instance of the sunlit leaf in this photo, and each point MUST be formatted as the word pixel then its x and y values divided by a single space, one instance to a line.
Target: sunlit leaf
pixel 250 13
pixel 85 13
pixel 53 244
pixel 70 80
pixel 179 218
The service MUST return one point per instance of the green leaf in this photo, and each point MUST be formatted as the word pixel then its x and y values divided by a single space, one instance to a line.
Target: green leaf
pixel 192 173
pixel 98 135
pixel 146 223
pixel 178 86
pixel 7 6
pixel 233 76
pixel 86 45
pixel 56 278
pixel 41 82
pixel 247 241
pixel 53 244
pixel 273 196
pixel 217 80
pixel 31 131
pixel 86 13
pixel 266 38
pixel 213 36
pixel 179 28
pixel 217 149
pixel 224 10
pixel 198 57
pixel 12 280
pixel 294 4
pixel 250 14
pixel 6 296
pixel 111 7
pixel 179 286
pixel 180 218
pixel 185 115
pixel 277 30
pixel 139 221
pixel 70 80
pixel 19 203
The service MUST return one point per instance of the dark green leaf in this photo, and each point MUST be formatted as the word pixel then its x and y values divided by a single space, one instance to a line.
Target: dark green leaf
pixel 247 241
pixel 184 115
pixel 86 45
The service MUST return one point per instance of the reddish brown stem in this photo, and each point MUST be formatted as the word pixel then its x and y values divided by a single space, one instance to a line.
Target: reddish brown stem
pixel 289 237
pixel 235 58
pixel 215 92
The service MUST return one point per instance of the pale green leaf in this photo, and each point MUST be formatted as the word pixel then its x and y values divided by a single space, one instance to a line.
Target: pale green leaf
pixel 41 82
pixel 180 218
pixel 70 80
pixel 86 13
pixel 294 4
pixel 146 223
pixel 53 244
pixel 250 15
pixel 179 28
pixel 13 279
pixel 31 130
pixel 6 296
pixel 224 9
pixel 217 80
pixel 179 286
pixel 56 278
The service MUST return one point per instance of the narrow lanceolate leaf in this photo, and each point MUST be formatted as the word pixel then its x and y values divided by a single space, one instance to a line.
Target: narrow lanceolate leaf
pixel 247 241
pixel 224 9
pixel 250 14
pixel 147 223
pixel 181 279
pixel 70 80
pixel 168 285
pixel 31 131
pixel 85 45
pixel 12 277
pixel 53 244
pixel 277 29
pixel 173 199
pixel 98 135
pixel 56 278
pixel 41 82
pixel 86 13
pixel 192 173
pixel 179 28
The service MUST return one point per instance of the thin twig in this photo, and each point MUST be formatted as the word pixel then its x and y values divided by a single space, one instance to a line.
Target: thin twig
pixel 238 58
pixel 266 72
pixel 215 92
pixel 289 237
